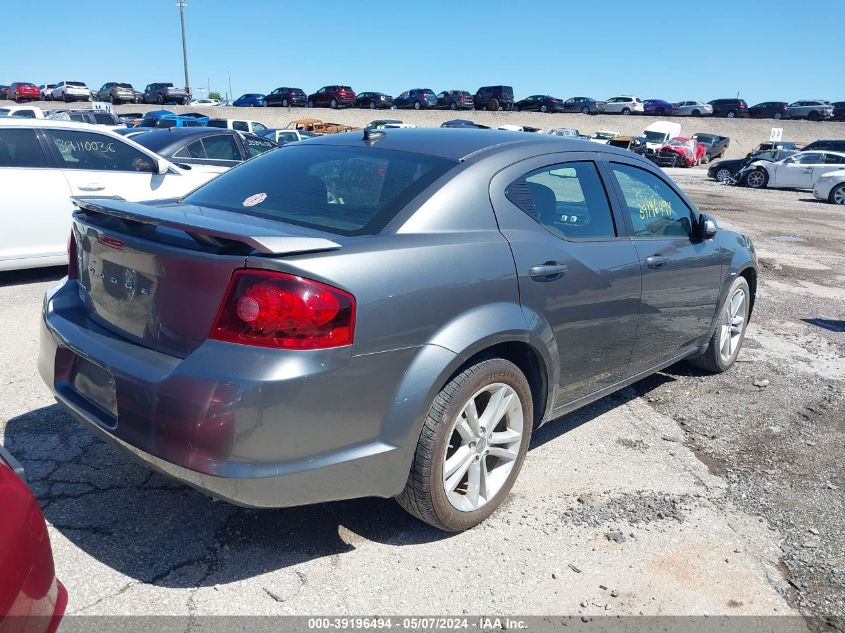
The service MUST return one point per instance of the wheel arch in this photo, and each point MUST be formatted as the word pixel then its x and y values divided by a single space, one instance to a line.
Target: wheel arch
pixel 498 331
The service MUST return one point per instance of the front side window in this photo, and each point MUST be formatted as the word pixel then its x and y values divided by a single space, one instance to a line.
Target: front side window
pixel 568 200
pixel 88 150
pixel 343 190
pixel 259 127
pixel 810 158
pixel 20 148
pixel 255 145
pixel 655 209
pixel 240 126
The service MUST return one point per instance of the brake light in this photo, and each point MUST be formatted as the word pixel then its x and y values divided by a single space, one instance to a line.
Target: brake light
pixel 72 258
pixel 281 311
pixel 742 106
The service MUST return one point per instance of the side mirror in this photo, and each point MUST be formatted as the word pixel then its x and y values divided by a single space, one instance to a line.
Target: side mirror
pixel 707 227
pixel 161 167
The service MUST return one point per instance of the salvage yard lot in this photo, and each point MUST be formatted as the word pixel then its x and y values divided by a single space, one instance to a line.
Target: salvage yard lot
pixel 683 494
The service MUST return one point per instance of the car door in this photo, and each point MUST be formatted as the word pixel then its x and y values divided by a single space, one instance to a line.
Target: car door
pixel 99 165
pixel 681 277
pixel 577 270
pixel 569 105
pixel 796 171
pixel 37 196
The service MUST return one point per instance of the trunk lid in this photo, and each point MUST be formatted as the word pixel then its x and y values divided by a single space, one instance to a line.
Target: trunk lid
pixel 158 274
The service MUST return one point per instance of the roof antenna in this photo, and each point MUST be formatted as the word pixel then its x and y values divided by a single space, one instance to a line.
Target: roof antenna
pixel 370 136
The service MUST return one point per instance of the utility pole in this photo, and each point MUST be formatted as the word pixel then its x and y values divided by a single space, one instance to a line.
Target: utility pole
pixel 182 4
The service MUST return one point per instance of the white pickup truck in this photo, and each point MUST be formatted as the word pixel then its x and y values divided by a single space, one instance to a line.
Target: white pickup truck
pixel 658 133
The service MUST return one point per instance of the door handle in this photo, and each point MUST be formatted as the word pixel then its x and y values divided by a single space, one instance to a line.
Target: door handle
pixel 548 271
pixel 656 261
pixel 92 186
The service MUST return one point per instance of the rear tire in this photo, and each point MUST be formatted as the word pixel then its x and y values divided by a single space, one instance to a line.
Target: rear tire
pixel 372 105
pixel 777 116
pixel 696 112
pixel 813 116
pixel 310 103
pixel 417 105
pixel 487 463
pixel 453 106
pixel 544 108
pixel 493 105
pixel 626 111
pixel 585 110
pixel 159 99
pixel 731 114
pixel 729 335
pixel 660 112
pixel 333 104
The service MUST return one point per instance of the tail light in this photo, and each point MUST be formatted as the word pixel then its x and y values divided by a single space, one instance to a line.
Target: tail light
pixel 72 258
pixel 742 106
pixel 281 311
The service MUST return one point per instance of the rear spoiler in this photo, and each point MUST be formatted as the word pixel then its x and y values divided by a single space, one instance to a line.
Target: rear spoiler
pixel 206 228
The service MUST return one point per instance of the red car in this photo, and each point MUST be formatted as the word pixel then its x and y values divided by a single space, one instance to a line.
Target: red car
pixel 32 600
pixel 680 152
pixel 332 97
pixel 23 91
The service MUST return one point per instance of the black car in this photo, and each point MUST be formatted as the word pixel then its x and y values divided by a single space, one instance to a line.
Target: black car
pixel 716 145
pixel 373 100
pixel 838 110
pixel 539 103
pixel 493 98
pixel 287 97
pixel 212 147
pixel 768 110
pixel 725 170
pixel 636 144
pixel 830 145
pixel 464 123
pixel 730 108
pixel 454 100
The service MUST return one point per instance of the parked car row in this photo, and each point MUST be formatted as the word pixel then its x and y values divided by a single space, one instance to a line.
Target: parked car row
pixel 819 166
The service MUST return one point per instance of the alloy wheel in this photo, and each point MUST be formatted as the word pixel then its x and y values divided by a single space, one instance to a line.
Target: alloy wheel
pixel 734 318
pixel 483 447
pixel 755 179
pixel 723 175
pixel 838 195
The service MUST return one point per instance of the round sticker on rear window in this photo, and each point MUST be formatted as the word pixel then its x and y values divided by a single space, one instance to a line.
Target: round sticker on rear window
pixel 254 199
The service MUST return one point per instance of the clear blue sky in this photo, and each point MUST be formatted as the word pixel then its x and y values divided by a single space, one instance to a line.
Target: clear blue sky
pixel 677 49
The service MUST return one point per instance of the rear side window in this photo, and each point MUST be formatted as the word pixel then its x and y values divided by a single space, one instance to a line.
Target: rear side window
pixel 216 123
pixel 655 209
pixel 240 126
pixel 568 199
pixel 191 150
pixel 20 148
pixel 343 190
pixel 221 147
pixel 87 150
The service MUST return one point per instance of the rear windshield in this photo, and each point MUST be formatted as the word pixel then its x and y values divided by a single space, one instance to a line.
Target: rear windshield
pixel 74 83
pixel 342 190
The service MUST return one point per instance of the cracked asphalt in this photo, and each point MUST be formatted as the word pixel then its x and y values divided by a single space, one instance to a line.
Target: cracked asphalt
pixel 684 494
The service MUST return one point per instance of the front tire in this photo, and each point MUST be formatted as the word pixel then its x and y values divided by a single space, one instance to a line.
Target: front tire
pixel 493 105
pixel 696 112
pixel 727 339
pixel 585 110
pixel 757 179
pixel 417 105
pixel 731 114
pixel 333 104
pixel 723 174
pixel 471 448
pixel 310 103
pixel 837 194
pixel 777 116
pixel 453 106
pixel 285 103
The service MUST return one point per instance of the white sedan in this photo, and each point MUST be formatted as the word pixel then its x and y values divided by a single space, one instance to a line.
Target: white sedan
pixel 692 108
pixel 830 187
pixel 799 171
pixel 43 163
pixel 604 136
pixel 206 102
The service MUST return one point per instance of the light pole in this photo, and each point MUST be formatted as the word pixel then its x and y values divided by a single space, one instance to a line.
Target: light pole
pixel 182 4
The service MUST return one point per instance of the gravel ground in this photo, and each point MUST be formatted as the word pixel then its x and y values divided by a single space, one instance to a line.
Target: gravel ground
pixel 683 494
pixel 745 134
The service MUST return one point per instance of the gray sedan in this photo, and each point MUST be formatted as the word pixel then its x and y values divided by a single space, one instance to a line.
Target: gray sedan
pixel 388 313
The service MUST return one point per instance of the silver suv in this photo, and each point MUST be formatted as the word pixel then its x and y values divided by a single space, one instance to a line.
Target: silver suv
pixel 812 110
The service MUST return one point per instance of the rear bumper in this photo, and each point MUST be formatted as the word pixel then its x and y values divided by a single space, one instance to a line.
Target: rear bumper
pixel 259 428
